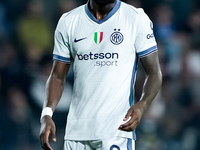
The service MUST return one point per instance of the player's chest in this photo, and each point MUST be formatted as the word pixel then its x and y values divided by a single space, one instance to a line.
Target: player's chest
pixel 107 38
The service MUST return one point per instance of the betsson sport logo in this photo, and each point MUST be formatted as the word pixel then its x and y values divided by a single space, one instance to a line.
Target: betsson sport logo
pixel 104 59
pixel 100 59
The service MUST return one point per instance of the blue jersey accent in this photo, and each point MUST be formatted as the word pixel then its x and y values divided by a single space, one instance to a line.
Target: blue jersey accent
pixel 148 51
pixel 131 97
pixel 62 59
pixel 129 144
pixel 114 146
pixel 110 14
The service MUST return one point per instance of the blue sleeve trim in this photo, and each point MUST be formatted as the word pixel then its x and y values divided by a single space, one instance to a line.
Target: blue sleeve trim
pixel 148 51
pixel 61 59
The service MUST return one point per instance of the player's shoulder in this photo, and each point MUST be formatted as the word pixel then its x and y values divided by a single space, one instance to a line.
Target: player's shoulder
pixel 73 13
pixel 132 10
pixel 67 19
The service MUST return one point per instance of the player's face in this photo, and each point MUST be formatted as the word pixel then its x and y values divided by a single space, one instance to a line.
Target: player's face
pixel 104 2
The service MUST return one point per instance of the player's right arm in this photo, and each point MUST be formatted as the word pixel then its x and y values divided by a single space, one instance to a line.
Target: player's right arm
pixel 54 89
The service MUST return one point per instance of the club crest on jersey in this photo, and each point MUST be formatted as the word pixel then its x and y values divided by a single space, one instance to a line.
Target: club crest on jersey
pixel 98 37
pixel 116 37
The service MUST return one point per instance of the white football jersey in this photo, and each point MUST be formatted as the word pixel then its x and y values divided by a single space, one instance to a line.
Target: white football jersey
pixel 105 55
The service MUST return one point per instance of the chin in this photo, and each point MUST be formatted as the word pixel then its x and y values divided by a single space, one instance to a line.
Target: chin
pixel 104 2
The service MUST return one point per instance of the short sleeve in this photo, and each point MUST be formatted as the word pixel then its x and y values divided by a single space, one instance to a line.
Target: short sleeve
pixel 61 50
pixel 145 42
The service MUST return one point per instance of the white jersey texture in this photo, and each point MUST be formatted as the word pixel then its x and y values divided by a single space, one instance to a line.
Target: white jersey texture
pixel 105 55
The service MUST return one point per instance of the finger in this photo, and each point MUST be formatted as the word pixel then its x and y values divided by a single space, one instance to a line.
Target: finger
pixel 130 127
pixel 46 141
pixel 127 115
pixel 129 123
pixel 132 119
pixel 53 134
pixel 42 140
pixel 126 124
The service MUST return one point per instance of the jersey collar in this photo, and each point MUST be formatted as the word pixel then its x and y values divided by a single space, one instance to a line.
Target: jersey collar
pixel 110 14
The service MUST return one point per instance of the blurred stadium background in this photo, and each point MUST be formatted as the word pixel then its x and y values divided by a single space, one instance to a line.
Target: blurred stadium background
pixel 26 43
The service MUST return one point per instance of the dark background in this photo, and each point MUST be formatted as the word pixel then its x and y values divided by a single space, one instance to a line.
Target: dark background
pixel 26 44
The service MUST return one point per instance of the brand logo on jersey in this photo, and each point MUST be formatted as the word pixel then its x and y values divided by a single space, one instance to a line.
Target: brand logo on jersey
pixel 92 56
pixel 75 40
pixel 116 37
pixel 98 37
pixel 149 36
pixel 100 59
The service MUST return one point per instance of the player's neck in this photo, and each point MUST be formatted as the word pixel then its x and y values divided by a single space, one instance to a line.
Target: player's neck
pixel 100 12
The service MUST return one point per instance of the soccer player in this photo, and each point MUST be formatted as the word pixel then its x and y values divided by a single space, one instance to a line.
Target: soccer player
pixel 104 39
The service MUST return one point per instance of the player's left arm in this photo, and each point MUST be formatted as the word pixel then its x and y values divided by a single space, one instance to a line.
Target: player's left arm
pixel 151 87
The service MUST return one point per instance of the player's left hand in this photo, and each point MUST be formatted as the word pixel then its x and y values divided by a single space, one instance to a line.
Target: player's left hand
pixel 135 114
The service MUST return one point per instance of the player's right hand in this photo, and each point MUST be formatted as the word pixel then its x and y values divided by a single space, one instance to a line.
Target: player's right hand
pixel 47 128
